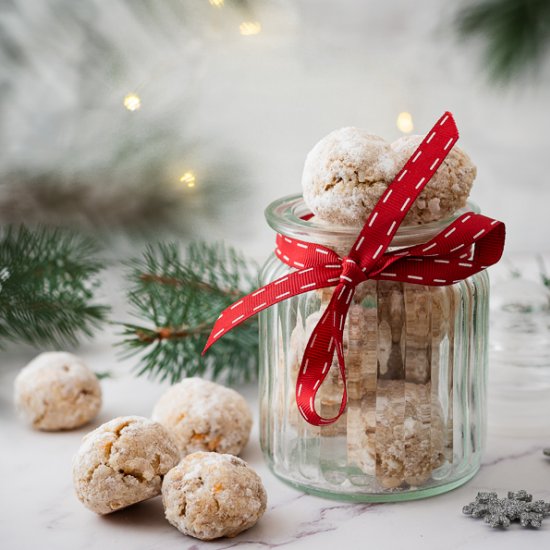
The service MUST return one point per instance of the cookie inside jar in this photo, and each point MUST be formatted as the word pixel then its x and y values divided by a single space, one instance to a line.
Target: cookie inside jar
pixel 398 424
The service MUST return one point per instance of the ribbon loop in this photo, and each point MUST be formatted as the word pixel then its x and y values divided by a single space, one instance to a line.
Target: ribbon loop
pixel 470 244
pixel 325 340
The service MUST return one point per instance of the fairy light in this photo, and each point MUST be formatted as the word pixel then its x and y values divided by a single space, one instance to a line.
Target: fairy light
pixel 217 3
pixel 249 28
pixel 132 102
pixel 188 179
pixel 405 122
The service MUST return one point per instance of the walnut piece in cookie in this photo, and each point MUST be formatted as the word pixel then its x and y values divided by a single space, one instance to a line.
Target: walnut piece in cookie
pixel 204 416
pixel 122 462
pixel 211 495
pixel 448 189
pixel 57 391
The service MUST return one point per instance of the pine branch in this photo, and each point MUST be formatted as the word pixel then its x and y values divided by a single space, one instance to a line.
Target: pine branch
pixel 47 287
pixel 177 298
pixel 113 169
pixel 516 34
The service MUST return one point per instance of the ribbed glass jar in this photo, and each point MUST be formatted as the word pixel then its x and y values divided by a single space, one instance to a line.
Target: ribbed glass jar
pixel 416 363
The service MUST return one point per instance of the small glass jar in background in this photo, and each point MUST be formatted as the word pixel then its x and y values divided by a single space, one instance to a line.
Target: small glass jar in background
pixel 519 374
pixel 416 363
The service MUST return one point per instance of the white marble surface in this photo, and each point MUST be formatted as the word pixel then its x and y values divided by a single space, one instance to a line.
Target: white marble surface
pixel 39 509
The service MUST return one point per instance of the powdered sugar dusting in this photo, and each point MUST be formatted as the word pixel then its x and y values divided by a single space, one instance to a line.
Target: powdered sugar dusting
pixel 204 416
pixel 56 391
pixel 210 495
pixel 346 173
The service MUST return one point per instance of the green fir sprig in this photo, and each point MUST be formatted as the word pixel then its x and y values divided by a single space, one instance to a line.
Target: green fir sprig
pixel 178 297
pixel 48 280
pixel 516 34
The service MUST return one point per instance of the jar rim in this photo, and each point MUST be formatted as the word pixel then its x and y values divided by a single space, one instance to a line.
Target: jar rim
pixel 286 216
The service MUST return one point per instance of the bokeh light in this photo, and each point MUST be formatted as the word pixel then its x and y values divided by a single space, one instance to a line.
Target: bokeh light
pixel 405 122
pixel 189 179
pixel 249 28
pixel 132 102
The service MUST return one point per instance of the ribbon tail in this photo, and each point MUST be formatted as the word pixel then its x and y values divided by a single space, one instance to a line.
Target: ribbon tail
pixel 386 217
pixel 297 282
pixel 325 340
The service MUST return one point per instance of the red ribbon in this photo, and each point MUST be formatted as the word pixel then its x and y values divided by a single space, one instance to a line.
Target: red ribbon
pixel 470 244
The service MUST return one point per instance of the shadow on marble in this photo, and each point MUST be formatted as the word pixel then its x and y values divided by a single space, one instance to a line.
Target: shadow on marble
pixel 144 516
pixel 148 517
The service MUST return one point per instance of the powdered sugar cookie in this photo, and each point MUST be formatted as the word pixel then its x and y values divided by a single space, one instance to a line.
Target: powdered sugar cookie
pixel 211 495
pixel 345 174
pixel 122 462
pixel 57 391
pixel 204 416
pixel 449 188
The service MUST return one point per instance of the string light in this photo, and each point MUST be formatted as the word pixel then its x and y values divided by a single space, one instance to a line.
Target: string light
pixel 249 28
pixel 188 179
pixel 217 3
pixel 405 122
pixel 132 102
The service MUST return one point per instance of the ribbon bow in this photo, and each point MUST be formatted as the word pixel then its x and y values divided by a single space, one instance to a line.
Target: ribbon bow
pixel 470 244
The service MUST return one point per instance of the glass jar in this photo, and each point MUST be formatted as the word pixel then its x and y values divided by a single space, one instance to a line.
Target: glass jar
pixel 416 364
pixel 519 352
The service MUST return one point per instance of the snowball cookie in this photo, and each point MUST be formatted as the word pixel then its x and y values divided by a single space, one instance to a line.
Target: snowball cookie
pixel 204 416
pixel 122 462
pixel 449 188
pixel 57 391
pixel 345 174
pixel 211 495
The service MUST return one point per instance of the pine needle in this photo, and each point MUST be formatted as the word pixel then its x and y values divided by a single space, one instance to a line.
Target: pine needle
pixel 47 287
pixel 177 298
pixel 516 34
